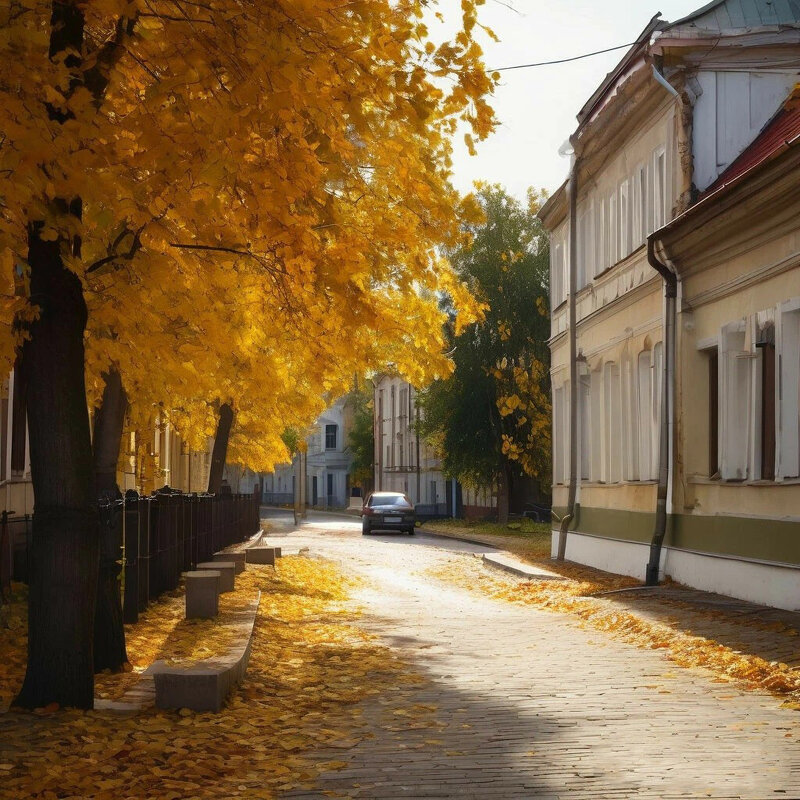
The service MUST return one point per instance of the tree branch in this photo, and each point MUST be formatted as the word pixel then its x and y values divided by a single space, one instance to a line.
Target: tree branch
pixel 113 255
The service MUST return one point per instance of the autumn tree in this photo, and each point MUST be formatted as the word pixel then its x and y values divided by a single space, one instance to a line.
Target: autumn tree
pixel 490 419
pixel 234 199
pixel 361 438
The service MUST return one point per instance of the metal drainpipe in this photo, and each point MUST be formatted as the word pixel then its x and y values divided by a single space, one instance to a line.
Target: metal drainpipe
pixel 660 527
pixel 573 357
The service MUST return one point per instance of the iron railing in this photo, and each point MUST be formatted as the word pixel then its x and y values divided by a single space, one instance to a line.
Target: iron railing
pixel 155 539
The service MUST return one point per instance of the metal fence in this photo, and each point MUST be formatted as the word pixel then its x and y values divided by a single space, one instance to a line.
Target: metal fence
pixel 278 498
pixel 155 539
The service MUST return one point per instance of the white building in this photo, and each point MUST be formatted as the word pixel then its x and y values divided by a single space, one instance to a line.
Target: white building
pixel 328 463
pixel 405 462
pixel 685 274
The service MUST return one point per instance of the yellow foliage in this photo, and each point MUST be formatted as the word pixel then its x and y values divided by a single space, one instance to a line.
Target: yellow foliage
pixel 261 205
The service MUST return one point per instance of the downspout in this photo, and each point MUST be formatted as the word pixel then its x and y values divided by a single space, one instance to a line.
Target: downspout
pixel 573 355
pixel 665 433
pixel 660 527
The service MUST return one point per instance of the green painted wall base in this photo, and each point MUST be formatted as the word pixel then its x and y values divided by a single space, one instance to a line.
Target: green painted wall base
pixel 737 537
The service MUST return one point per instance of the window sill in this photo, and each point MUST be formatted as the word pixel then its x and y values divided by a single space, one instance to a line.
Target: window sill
pixel 600 485
pixel 699 480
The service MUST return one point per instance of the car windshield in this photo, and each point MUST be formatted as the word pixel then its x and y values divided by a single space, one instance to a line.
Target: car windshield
pixel 388 500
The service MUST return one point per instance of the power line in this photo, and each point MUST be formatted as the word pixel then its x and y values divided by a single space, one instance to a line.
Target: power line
pixel 562 60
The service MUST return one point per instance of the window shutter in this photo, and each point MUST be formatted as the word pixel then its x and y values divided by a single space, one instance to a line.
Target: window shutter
pixel 788 345
pixel 558 427
pixel 734 379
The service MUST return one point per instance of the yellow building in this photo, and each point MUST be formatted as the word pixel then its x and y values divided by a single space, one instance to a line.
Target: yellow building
pixel 668 153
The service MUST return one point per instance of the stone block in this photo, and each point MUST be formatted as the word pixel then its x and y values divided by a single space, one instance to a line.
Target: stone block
pixel 262 555
pixel 202 594
pixel 203 686
pixel 227 570
pixel 237 558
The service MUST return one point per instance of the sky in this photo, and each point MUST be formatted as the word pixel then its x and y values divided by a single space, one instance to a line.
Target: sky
pixel 536 107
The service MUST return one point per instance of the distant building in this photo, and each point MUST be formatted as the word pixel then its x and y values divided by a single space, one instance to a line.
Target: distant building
pixel 328 463
pixel 405 462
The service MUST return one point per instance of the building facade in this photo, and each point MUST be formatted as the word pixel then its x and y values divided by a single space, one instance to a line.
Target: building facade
pixel 327 463
pixel 405 462
pixel 685 104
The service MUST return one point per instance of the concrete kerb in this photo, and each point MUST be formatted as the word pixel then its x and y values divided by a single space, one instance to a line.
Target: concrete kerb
pixel 458 538
pixel 507 563
pixel 205 685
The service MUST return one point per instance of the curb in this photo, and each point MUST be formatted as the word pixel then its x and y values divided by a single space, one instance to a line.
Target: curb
pixel 467 539
pixel 505 562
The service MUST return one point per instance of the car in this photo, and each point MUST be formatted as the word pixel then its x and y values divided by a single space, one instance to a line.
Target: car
pixel 388 511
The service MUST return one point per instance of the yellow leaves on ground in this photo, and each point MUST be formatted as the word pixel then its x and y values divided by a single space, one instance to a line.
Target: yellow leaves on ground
pixel 571 595
pixel 309 667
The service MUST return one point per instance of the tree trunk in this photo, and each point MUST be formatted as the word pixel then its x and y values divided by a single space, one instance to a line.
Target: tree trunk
pixel 65 523
pixel 109 421
pixel 503 493
pixel 220 450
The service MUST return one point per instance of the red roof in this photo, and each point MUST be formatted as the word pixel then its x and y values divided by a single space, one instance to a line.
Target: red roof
pixel 781 130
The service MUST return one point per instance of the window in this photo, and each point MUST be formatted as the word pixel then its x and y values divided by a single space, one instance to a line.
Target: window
pixel 330 437
pixel 596 446
pixel 624 220
pixel 557 271
pixel 612 426
pixel 582 250
pixel 639 206
pixel 330 484
pixel 713 413
pixel 561 434
pixel 655 418
pixel 612 235
pixel 630 426
pixel 433 492
pixel 766 398
pixel 734 397
pixel 585 406
pixel 659 188
pixel 644 414
pixel 558 427
pixel 586 254
pixel 601 260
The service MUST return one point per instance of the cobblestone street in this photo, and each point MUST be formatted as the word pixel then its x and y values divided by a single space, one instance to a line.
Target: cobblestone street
pixel 522 703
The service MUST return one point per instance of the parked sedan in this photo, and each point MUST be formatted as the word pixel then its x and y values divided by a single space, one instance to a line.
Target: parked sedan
pixel 390 511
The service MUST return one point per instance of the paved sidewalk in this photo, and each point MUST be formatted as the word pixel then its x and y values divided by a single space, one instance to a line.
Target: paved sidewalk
pixel 770 633
pixel 521 703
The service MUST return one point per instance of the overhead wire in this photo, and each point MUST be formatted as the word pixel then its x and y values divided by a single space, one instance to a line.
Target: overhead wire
pixel 562 60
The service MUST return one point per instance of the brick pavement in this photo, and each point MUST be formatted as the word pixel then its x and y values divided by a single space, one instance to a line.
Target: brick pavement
pixel 521 703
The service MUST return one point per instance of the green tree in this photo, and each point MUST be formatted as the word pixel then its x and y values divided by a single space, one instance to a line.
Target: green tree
pixel 361 438
pixel 490 419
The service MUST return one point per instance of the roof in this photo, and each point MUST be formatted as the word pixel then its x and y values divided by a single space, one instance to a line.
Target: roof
pixel 724 15
pixel 642 41
pixel 782 129
pixel 779 137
